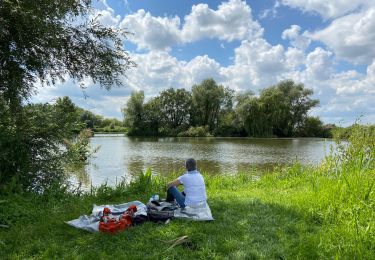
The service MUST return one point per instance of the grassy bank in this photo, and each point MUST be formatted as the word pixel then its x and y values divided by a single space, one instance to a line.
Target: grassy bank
pixel 302 212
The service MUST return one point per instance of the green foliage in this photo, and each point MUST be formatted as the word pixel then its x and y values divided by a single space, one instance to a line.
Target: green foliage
pixel 207 99
pixel 31 155
pixel 280 110
pixel 286 106
pixel 175 106
pixel 252 115
pixel 313 127
pixel 46 41
pixel 198 131
pixel 78 150
pixel 133 112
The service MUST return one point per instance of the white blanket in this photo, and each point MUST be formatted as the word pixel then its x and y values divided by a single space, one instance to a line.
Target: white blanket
pixel 201 212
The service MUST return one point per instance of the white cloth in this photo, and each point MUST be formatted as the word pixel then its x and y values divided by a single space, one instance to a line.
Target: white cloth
pixel 198 212
pixel 91 222
pixel 194 188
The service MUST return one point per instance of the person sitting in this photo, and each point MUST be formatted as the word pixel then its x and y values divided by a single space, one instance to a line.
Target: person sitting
pixel 194 187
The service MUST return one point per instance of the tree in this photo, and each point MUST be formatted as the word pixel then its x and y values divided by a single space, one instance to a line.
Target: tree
pixel 175 107
pixel 90 119
pixel 252 116
pixel 313 127
pixel 152 117
pixel 286 105
pixel 37 153
pixel 46 41
pixel 226 125
pixel 133 112
pixel 207 99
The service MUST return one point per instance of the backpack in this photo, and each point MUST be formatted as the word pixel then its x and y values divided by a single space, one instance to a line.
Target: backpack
pixel 160 211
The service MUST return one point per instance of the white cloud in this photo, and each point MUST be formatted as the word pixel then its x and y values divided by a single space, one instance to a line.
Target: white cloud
pixel 159 70
pixel 231 21
pixel 200 68
pixel 351 37
pixel 294 58
pixel 355 84
pixel 319 64
pixel 106 16
pixel 271 12
pixel 149 32
pixel 327 9
pixel 263 61
pixel 156 70
pixel 298 40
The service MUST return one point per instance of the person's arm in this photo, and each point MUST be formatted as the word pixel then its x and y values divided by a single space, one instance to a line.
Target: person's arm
pixel 175 182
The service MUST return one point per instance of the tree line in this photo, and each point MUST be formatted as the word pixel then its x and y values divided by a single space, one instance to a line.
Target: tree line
pixel 210 109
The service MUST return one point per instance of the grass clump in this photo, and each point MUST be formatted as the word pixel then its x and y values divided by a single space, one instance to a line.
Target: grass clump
pixel 306 212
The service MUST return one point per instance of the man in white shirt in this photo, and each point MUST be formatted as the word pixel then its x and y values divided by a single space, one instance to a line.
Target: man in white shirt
pixel 194 187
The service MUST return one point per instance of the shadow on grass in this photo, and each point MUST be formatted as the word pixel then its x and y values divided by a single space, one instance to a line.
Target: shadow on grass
pixel 244 228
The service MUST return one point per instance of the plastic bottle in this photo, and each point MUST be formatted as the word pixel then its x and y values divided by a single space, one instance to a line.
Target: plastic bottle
pixel 154 198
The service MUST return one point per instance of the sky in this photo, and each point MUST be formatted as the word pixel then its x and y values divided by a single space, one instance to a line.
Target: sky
pixel 245 45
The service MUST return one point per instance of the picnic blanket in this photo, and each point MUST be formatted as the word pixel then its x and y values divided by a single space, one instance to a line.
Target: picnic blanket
pixel 200 212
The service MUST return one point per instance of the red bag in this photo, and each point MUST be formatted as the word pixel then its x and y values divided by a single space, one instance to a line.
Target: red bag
pixel 112 225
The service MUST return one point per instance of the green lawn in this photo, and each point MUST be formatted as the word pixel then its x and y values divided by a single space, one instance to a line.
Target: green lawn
pixel 291 213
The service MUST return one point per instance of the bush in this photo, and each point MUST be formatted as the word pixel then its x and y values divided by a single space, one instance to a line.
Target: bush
pixel 31 154
pixel 198 131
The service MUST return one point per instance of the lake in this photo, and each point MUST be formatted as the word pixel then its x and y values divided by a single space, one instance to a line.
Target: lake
pixel 121 157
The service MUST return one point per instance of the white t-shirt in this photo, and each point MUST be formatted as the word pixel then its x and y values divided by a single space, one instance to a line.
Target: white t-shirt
pixel 194 187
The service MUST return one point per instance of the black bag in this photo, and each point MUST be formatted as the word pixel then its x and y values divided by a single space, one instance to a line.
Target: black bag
pixel 160 211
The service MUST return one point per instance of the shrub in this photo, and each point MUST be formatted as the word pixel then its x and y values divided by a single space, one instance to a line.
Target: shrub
pixel 198 131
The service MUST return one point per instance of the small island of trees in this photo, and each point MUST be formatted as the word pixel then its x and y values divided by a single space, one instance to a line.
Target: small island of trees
pixel 210 109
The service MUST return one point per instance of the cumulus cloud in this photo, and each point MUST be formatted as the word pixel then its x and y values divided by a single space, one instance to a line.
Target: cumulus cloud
pixel 106 16
pixel 351 37
pixel 157 70
pixel 231 21
pixel 327 9
pixel 264 61
pixel 294 58
pixel 319 64
pixel 298 40
pixel 200 68
pixel 149 32
pixel 270 12
pixel 354 83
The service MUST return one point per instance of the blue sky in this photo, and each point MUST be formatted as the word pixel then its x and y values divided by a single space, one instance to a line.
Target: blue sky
pixel 245 45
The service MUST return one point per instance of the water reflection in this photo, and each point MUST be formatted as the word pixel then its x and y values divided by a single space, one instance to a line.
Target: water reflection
pixel 123 157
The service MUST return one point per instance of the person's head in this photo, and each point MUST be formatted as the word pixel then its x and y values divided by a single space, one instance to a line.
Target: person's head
pixel 190 164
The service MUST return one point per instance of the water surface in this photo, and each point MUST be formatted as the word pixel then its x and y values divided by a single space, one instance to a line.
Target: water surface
pixel 121 157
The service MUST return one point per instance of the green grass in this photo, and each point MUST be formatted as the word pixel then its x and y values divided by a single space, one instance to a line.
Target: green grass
pixel 295 212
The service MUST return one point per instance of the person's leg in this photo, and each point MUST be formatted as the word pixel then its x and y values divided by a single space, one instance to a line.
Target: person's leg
pixel 174 193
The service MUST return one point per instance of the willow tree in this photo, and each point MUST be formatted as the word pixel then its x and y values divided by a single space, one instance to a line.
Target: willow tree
pixel 287 105
pixel 46 41
pixel 175 107
pixel 208 98
pixel 251 113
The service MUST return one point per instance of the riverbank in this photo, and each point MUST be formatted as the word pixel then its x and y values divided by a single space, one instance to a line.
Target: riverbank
pixel 290 214
pixel 326 211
